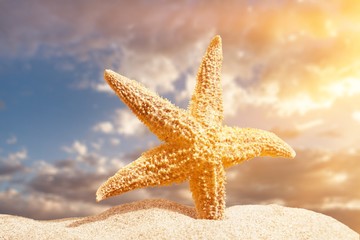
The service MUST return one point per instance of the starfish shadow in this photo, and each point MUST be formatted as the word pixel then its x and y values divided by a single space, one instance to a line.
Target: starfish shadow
pixel 136 206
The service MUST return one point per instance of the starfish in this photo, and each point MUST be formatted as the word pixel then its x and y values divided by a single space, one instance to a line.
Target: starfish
pixel 196 146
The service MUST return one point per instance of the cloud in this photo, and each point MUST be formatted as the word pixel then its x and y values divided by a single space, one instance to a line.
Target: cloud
pixel 310 124
pixel 187 91
pixel 86 82
pixel 315 179
pixel 66 188
pixel 77 148
pixel 345 87
pixel 71 183
pixel 2 105
pixel 127 123
pixel 299 129
pixel 13 163
pixel 17 156
pixel 8 168
pixel 98 144
pixel 295 58
pixel 44 206
pixel 115 141
pixel 75 179
pixel 122 122
pixel 104 127
pixel 157 72
pixel 11 140
pixel 309 179
pixel 101 87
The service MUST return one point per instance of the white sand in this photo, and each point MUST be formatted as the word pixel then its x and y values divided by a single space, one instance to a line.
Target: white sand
pixel 162 219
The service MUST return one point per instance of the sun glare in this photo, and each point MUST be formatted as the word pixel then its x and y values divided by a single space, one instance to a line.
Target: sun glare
pixel 301 103
pixel 356 116
pixel 346 87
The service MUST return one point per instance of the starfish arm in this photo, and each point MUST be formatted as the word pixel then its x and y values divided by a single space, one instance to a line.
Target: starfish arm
pixel 159 166
pixel 206 102
pixel 164 119
pixel 241 144
pixel 207 185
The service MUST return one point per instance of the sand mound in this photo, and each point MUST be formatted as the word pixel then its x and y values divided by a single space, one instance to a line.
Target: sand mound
pixel 161 219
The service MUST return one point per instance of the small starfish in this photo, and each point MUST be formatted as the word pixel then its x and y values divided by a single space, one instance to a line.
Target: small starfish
pixel 196 146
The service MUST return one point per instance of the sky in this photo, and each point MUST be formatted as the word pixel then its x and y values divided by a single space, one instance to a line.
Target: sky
pixel 290 67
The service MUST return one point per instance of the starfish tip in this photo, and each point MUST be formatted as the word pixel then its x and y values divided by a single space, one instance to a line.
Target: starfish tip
pixel 217 38
pixel 292 153
pixel 108 73
pixel 99 197
pixel 111 77
pixel 216 42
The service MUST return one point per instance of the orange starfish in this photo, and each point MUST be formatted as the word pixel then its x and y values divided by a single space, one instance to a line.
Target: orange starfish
pixel 196 146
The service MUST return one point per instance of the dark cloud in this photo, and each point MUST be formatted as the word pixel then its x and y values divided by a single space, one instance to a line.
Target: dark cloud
pixel 65 163
pixel 135 24
pixel 74 185
pixel 71 179
pixel 66 188
pixel 43 206
pixel 78 180
pixel 8 168
pixel 12 164
pixel 308 181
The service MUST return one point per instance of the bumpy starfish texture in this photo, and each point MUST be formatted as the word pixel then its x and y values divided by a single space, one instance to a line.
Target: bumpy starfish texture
pixel 196 145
